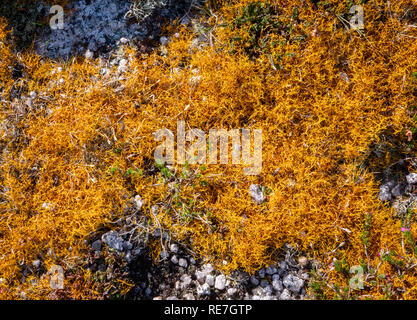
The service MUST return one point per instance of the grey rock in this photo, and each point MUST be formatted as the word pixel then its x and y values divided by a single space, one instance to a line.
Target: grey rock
pixel 267 290
pixel 264 283
pixel 174 259
pixel 385 193
pixel 174 248
pixel 412 178
pixel 231 292
pixel 210 280
pixel 277 285
pixel 261 273
pixel 271 270
pixel 398 190
pixel 164 40
pixel 127 245
pixel 285 295
pixel 185 281
pixel 36 263
pixel 200 276
pixel 183 263
pixel 96 245
pixel 220 283
pixel 293 283
pixel 208 268
pixel 203 290
pixel 254 280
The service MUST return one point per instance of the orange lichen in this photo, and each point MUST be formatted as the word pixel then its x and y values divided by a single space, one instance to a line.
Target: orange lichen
pixel 320 92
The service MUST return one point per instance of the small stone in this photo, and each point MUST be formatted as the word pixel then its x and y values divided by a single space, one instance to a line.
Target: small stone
pixel 183 263
pixel 258 291
pixel 220 283
pixel 271 270
pixel 231 292
pixel 127 245
pixel 208 268
pixel 123 63
pixel 174 248
pixel 32 94
pixel 113 240
pixel 210 280
pixel 254 280
pixel 285 295
pixel 89 54
pixel 148 291
pixel 261 273
pixel 189 296
pixel 174 259
pixel 203 290
pixel 123 40
pixel 164 40
pixel 138 202
pixel 96 245
pixel 200 276
pixel 192 261
pixel 277 285
pixel 412 178
pixel 36 263
pixel 264 283
pixel 398 190
pixel 293 283
pixel 302 261
pixel 185 281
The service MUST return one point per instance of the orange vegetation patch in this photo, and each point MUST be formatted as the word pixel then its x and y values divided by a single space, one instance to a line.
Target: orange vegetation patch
pixel 320 92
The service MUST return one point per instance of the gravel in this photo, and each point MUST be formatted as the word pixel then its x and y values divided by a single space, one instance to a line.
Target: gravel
pixel 96 26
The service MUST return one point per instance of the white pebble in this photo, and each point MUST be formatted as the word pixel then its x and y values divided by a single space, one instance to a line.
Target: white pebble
pixel 220 283
pixel 183 263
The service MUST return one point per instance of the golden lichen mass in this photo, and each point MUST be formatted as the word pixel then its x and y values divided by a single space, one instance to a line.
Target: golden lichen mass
pixel 75 154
